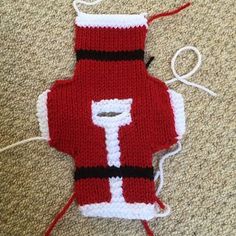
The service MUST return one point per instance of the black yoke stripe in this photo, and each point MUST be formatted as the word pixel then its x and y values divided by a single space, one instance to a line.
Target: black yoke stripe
pixel 110 56
pixel 112 171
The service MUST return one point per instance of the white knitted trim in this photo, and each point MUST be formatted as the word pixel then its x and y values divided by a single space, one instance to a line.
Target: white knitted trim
pixel 140 211
pixel 113 21
pixel 111 126
pixel 122 106
pixel 116 189
pixel 177 103
pixel 42 114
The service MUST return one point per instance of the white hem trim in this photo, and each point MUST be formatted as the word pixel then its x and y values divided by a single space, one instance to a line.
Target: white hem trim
pixel 111 21
pixel 141 211
pixel 177 103
pixel 42 114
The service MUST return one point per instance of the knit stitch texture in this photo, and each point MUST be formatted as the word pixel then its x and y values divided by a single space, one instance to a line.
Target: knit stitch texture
pixel 112 154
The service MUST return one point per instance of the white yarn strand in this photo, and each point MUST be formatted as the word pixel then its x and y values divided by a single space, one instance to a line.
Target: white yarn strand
pixel 75 2
pixel 183 78
pixel 165 213
pixel 21 142
pixel 160 173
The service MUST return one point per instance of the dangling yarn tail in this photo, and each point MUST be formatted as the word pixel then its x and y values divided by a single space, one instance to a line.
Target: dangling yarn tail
pixel 60 215
pixel 21 142
pixel 160 203
pixel 149 232
pixel 162 206
pixel 168 13
pixel 149 61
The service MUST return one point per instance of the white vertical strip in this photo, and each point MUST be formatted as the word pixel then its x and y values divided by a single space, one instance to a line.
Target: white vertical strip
pixel 112 126
pixel 177 103
pixel 42 114
pixel 113 159
pixel 116 189
pixel 113 146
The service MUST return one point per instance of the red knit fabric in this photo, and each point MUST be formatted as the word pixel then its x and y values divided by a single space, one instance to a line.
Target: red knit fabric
pixel 92 190
pixel 69 113
pixel 111 116
pixel 110 39
pixel 139 190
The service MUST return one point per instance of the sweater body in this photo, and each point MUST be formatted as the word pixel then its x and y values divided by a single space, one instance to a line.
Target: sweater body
pixel 111 117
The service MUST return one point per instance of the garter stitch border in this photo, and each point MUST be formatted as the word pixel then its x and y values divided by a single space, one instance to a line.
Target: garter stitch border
pixel 116 21
pixel 42 114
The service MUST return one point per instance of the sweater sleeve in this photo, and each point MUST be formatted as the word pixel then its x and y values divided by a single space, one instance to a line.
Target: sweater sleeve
pixel 54 112
pixel 168 123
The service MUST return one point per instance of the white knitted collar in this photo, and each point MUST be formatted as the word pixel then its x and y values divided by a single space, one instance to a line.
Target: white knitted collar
pixel 111 21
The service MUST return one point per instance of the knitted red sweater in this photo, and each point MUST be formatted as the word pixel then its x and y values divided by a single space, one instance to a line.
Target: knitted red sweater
pixel 111 117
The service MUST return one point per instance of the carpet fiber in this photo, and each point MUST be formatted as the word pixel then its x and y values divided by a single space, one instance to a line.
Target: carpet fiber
pixel 36 181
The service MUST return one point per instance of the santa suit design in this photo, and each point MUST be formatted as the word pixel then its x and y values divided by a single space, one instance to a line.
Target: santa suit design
pixel 111 117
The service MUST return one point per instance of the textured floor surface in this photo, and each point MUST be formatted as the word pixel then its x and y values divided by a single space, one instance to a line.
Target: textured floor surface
pixel 37 48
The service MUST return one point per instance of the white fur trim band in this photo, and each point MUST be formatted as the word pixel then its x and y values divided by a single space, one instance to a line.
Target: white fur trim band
pixel 111 21
pixel 124 210
pixel 42 114
pixel 177 103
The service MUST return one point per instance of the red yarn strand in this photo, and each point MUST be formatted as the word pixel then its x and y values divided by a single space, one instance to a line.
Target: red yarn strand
pixel 168 13
pixel 149 232
pixel 60 215
pixel 160 203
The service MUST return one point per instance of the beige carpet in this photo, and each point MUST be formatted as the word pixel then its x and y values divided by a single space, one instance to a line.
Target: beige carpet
pixel 36 181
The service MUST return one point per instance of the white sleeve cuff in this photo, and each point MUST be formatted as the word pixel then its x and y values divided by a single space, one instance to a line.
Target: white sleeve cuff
pixel 42 114
pixel 177 103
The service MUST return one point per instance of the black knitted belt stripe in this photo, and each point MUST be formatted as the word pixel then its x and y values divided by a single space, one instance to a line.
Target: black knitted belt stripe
pixel 112 171
pixel 110 56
